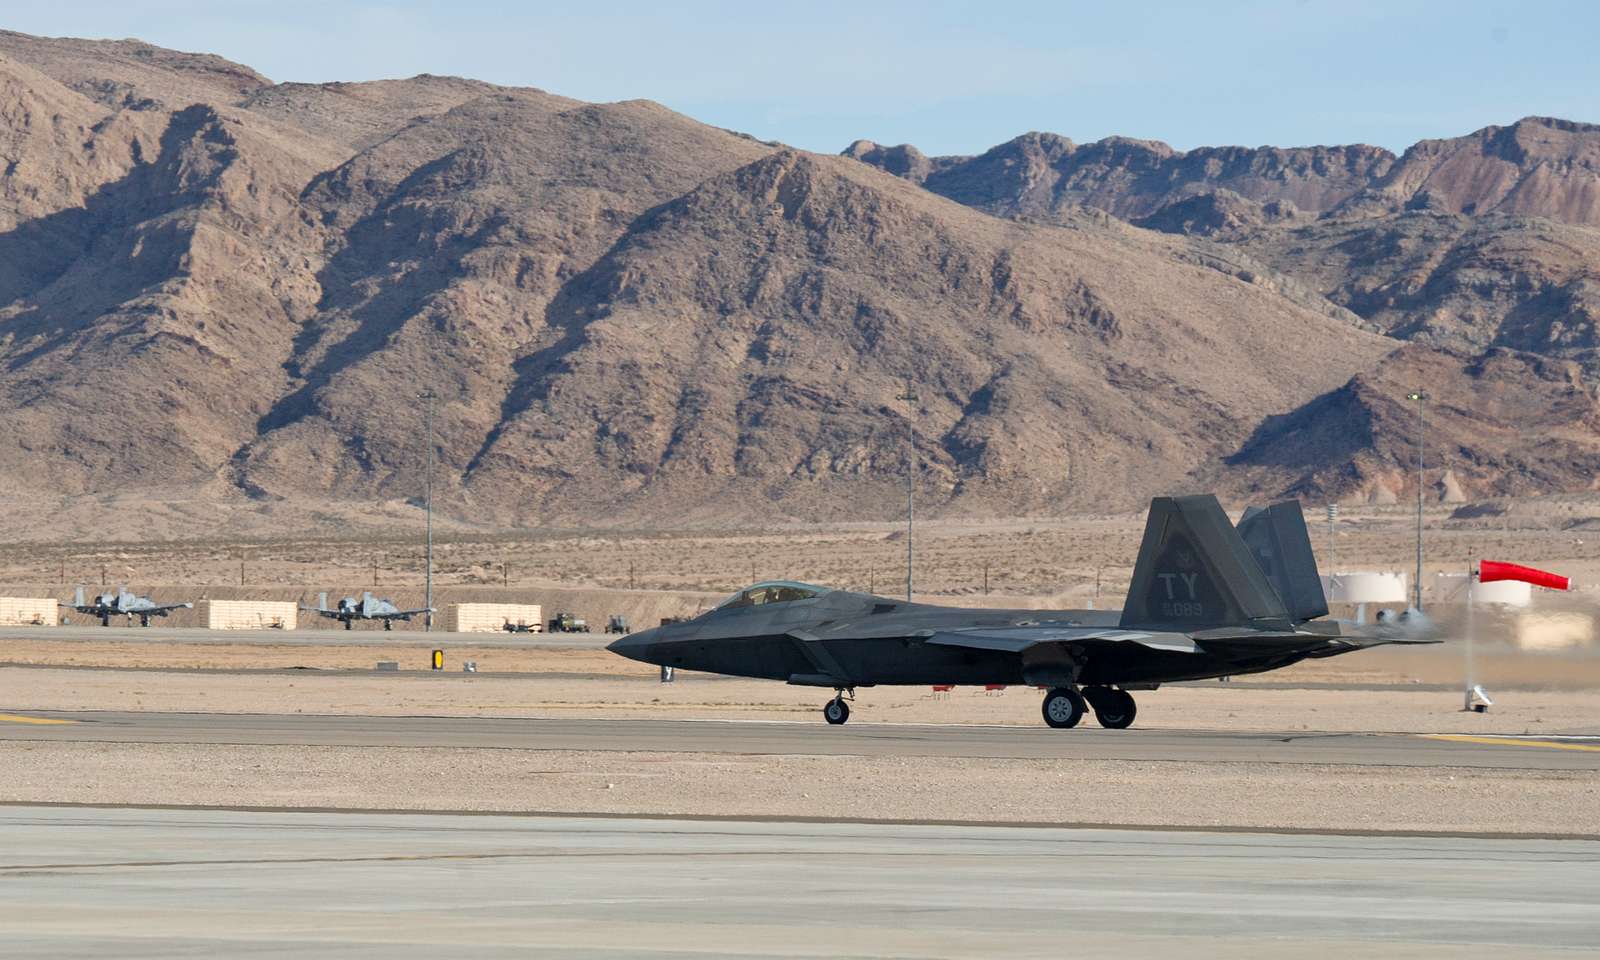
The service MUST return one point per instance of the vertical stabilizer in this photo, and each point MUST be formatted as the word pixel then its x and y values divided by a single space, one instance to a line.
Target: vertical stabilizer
pixel 1194 572
pixel 77 597
pixel 1278 540
pixel 322 601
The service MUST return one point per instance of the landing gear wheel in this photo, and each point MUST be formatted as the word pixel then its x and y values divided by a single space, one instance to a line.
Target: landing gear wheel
pixel 1115 709
pixel 1063 708
pixel 837 711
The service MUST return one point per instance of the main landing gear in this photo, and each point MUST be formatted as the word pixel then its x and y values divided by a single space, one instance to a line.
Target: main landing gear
pixel 1065 706
pixel 837 711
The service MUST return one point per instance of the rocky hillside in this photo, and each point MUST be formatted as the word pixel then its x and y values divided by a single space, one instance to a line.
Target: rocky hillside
pixel 1040 174
pixel 1471 246
pixel 1537 167
pixel 1501 420
pixel 214 288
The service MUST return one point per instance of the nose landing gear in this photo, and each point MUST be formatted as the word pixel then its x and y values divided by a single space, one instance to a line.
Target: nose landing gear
pixel 837 711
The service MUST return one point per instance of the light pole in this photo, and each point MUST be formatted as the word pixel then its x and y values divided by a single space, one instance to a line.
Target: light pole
pixel 1333 515
pixel 427 623
pixel 910 398
pixel 1422 401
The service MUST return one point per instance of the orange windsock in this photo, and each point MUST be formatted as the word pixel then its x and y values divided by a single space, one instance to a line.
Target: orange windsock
pixel 1492 570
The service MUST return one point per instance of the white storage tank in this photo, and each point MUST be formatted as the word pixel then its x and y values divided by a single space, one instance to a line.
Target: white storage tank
pixel 1365 587
pixel 1509 593
pixel 1452 588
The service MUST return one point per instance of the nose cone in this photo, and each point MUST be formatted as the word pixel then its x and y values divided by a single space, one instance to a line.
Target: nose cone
pixel 641 646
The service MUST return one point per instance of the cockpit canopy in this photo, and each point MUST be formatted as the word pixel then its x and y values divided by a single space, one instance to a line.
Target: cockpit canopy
pixel 773 591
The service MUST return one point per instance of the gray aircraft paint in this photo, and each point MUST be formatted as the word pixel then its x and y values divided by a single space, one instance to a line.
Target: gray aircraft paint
pixel 122 604
pixel 369 607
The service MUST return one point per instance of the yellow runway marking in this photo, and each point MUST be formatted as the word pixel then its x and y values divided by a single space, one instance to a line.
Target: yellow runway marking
pixel 17 718
pixel 1511 742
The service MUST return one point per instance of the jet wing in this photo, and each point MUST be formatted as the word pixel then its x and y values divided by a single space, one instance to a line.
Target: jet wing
pixel 1018 639
pixel 401 614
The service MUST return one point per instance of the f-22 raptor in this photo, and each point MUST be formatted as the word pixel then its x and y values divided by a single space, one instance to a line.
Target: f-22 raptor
pixel 1206 600
pixel 368 607
pixel 122 604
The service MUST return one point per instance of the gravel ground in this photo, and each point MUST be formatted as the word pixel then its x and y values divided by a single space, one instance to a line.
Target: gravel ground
pixel 1113 792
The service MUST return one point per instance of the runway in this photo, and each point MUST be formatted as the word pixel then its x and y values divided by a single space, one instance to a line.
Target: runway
pixel 130 882
pixel 809 738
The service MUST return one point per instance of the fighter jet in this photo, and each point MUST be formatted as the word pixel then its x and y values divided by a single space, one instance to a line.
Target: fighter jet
pixel 122 603
pixel 1206 600
pixel 368 607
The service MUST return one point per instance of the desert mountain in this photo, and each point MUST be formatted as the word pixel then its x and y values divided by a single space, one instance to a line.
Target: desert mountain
pixel 1502 420
pixel 1537 167
pixel 1481 243
pixel 1491 239
pixel 216 288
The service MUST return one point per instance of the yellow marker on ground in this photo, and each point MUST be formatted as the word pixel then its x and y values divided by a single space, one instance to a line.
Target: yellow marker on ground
pixel 18 718
pixel 1512 742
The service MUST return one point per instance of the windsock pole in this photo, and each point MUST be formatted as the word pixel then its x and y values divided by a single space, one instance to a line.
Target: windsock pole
pixel 1471 681
pixel 1489 571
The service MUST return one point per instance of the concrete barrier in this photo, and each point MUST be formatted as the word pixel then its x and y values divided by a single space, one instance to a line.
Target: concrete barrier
pixel 491 617
pixel 22 611
pixel 247 614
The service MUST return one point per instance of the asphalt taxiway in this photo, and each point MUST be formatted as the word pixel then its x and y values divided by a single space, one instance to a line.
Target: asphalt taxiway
pixel 132 882
pixel 810 738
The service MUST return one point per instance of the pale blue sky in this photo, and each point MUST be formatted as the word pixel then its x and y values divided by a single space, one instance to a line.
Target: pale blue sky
pixel 951 77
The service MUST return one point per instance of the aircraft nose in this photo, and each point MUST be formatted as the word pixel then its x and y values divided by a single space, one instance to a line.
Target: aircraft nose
pixel 636 646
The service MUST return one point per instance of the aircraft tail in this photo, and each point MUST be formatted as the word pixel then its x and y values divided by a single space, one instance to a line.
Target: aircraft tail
pixel 77 598
pixel 1194 572
pixel 1278 540
pixel 322 601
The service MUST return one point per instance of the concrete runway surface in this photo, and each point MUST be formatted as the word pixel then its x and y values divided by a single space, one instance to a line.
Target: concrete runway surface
pixel 810 738
pixel 121 882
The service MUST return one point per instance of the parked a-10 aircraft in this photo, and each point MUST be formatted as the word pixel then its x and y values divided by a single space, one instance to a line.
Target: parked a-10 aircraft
pixel 122 604
pixel 1206 600
pixel 368 607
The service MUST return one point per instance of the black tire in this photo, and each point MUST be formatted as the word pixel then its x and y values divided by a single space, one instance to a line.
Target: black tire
pixel 836 711
pixel 1115 709
pixel 1063 707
